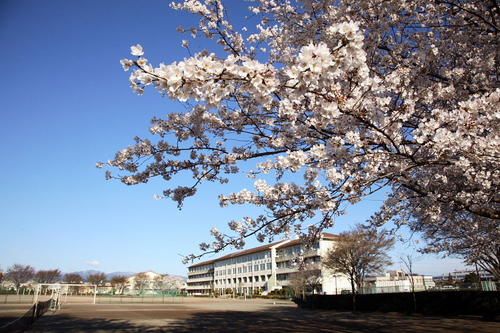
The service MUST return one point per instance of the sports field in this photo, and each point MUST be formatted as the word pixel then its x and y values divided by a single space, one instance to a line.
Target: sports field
pixel 217 315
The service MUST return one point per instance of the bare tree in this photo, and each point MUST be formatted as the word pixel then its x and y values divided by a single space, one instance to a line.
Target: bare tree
pixel 73 278
pixel 408 270
pixel 306 280
pixel 119 282
pixel 20 274
pixel 97 278
pixel 48 276
pixel 141 280
pixel 357 253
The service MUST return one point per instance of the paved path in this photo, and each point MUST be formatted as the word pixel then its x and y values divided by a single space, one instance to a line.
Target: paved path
pixel 242 316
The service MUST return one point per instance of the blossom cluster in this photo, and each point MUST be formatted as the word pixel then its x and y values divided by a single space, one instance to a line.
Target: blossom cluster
pixel 346 99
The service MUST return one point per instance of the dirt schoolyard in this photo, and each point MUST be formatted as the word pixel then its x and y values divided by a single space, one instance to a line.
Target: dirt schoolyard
pixel 228 315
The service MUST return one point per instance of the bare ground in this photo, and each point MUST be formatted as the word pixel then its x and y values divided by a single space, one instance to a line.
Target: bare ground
pixel 215 315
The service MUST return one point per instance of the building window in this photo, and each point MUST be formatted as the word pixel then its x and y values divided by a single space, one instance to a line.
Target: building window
pixel 282 277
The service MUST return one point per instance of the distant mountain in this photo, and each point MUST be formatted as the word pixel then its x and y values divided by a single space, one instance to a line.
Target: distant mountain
pixel 84 274
pixel 176 277
pixel 112 275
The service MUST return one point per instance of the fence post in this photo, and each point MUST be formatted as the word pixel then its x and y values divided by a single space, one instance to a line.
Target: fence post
pixel 33 314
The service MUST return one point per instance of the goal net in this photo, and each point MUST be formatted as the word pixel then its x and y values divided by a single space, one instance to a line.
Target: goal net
pixel 65 293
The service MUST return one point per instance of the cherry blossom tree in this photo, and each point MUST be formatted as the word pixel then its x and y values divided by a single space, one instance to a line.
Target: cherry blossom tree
pixel 475 239
pixel 325 102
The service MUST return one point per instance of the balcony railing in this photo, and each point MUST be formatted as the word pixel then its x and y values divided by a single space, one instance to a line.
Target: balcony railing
pixel 283 270
pixel 204 286
pixel 200 279
pixel 288 257
pixel 204 271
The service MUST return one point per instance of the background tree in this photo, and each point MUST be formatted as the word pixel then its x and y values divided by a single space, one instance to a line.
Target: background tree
pixel 19 274
pixel 450 280
pixel 408 270
pixel 98 279
pixel 48 276
pixel 73 278
pixel 472 279
pixel 357 253
pixel 306 280
pixel 333 100
pixel 119 282
pixel 170 284
pixel 158 282
pixel 141 281
pixel 477 240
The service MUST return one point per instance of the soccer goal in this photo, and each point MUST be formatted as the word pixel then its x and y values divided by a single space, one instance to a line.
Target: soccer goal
pixel 65 293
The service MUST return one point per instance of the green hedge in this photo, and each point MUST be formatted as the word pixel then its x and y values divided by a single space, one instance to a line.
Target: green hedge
pixel 483 303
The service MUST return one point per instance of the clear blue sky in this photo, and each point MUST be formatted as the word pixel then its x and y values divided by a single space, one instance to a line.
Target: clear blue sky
pixel 65 104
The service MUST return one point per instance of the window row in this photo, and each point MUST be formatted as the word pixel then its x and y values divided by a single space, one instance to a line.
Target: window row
pixel 244 269
pixel 245 279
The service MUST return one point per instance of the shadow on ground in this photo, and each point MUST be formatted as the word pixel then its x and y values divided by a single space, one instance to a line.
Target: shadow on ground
pixel 7 319
pixel 283 320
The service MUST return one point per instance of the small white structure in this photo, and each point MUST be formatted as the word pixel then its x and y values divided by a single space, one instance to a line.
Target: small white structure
pixel 397 281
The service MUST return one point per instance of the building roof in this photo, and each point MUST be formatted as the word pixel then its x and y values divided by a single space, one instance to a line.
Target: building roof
pixel 279 244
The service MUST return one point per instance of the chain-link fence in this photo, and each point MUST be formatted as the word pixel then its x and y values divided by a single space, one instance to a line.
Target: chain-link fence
pixel 156 299
pixel 16 298
pixel 24 322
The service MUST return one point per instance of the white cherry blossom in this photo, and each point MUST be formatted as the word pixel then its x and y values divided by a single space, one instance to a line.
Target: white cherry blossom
pixel 136 50
pixel 333 101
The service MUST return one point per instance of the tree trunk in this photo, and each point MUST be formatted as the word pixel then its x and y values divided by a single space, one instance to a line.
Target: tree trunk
pixel 353 289
pixel 413 295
